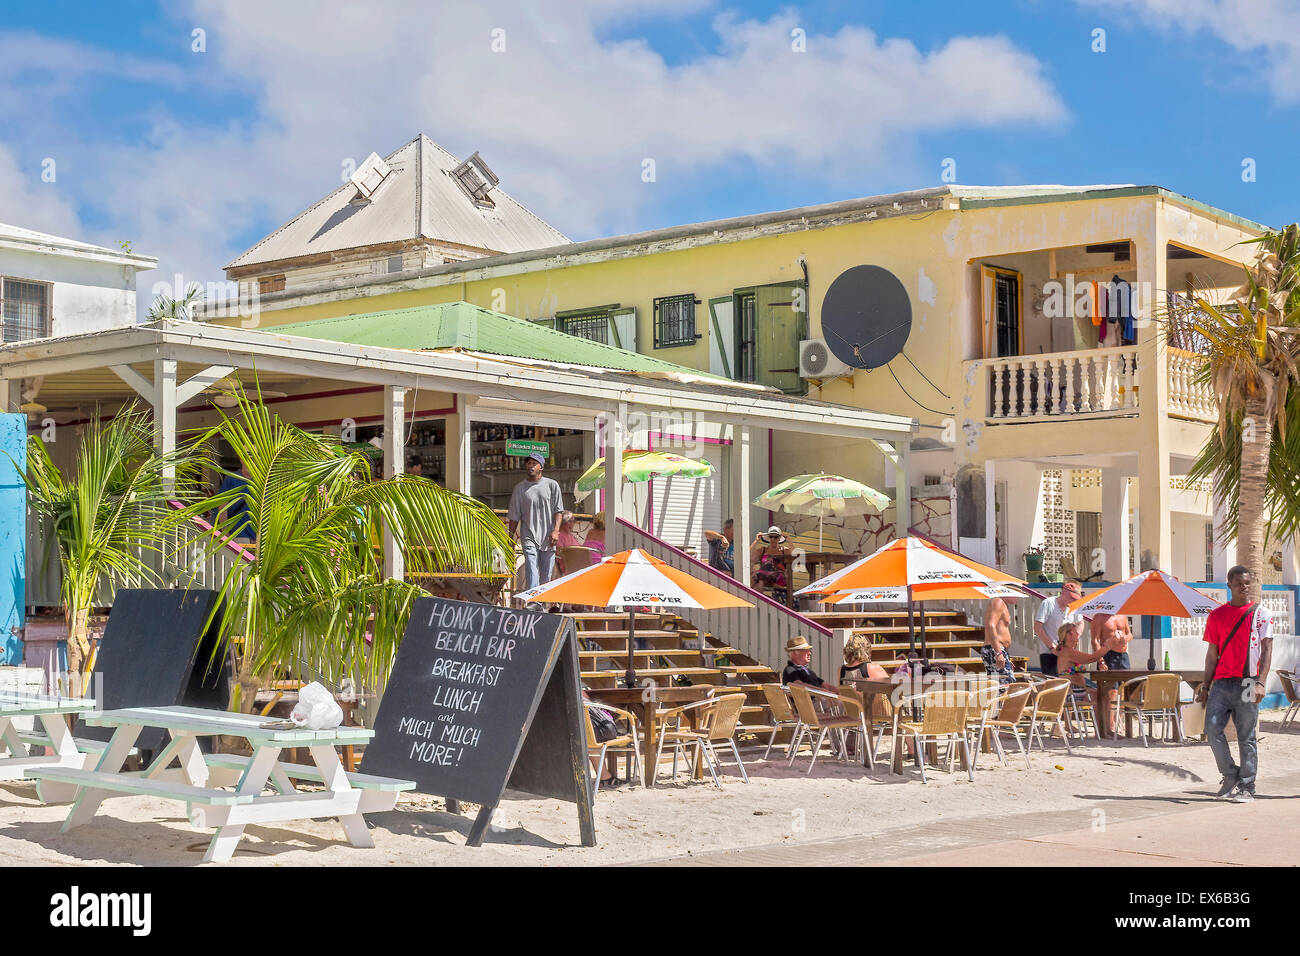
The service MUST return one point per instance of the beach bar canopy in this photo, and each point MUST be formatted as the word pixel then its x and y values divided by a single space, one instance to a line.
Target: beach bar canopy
pixel 173 367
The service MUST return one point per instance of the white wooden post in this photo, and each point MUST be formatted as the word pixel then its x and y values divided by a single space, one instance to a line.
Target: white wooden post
pixel 1290 570
pixel 459 463
pixel 742 511
pixel 164 414
pixel 903 488
pixel 12 394
pixel 1224 554
pixel 394 464
pixel 615 443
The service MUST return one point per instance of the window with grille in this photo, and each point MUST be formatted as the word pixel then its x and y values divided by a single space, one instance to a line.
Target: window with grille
pixel 26 310
pixel 588 325
pixel 675 321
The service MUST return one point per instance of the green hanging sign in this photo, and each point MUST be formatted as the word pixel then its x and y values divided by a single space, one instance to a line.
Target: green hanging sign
pixel 522 449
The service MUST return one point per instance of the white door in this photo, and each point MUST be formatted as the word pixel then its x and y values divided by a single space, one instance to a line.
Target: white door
pixel 684 508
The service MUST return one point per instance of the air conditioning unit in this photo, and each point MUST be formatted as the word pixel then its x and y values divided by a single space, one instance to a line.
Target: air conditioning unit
pixel 817 361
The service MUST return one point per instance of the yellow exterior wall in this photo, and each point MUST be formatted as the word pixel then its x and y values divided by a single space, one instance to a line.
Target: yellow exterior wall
pixel 936 256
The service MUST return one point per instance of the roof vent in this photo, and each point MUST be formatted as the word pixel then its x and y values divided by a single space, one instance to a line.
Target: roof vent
pixel 368 177
pixel 476 179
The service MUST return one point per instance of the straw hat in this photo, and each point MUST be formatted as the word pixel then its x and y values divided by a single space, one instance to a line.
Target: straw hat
pixel 797 643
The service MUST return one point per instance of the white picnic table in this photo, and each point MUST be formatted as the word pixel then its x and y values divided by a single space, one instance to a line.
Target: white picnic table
pixel 51 714
pixel 200 777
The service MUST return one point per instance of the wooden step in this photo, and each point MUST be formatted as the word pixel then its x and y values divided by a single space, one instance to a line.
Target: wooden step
pixel 640 655
pixel 653 672
pixel 744 669
pixel 622 635
pixel 930 629
pixel 932 645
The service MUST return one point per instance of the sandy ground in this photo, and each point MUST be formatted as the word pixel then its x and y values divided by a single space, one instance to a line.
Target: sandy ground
pixel 779 807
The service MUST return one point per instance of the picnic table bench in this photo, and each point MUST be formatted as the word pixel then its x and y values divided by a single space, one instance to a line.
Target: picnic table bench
pixel 50 713
pixel 198 781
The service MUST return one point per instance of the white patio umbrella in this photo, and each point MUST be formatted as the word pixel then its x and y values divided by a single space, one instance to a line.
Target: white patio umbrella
pixel 821 494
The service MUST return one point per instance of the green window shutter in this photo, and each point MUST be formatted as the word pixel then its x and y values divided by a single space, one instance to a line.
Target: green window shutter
pixel 779 329
pixel 622 329
pixel 722 336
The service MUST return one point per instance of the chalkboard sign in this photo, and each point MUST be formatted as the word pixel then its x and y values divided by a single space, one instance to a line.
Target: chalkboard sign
pixel 157 652
pixel 482 698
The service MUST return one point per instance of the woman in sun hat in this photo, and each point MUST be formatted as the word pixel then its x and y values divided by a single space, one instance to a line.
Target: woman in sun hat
pixel 764 556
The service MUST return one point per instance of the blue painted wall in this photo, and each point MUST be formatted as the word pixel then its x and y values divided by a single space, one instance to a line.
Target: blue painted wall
pixel 13 536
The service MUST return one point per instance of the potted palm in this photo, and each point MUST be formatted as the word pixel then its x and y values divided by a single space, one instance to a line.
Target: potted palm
pixel 312 600
pixel 107 516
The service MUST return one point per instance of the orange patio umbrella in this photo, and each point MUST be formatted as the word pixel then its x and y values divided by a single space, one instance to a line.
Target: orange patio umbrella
pixel 633 579
pixel 910 565
pixel 1149 594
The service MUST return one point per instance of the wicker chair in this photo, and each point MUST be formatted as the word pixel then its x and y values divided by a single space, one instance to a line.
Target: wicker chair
pixel 628 744
pixel 943 719
pixel 854 707
pixel 1048 711
pixel 1149 697
pixel 1002 713
pixel 1290 687
pixel 718 729
pixel 824 724
pixel 783 715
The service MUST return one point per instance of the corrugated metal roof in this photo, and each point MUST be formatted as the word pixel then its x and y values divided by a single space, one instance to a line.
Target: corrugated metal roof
pixel 417 200
pixel 465 326
pixel 16 237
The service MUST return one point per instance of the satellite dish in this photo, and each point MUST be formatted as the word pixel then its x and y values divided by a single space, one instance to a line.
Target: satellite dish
pixel 866 316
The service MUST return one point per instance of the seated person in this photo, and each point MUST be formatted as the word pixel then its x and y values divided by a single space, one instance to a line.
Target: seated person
pixel 1071 663
pixel 722 547
pixel 765 553
pixel 567 538
pixel 596 535
pixel 797 669
pixel 858 662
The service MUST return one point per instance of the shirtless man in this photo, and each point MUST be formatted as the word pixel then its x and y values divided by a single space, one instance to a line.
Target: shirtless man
pixel 1114 634
pixel 996 651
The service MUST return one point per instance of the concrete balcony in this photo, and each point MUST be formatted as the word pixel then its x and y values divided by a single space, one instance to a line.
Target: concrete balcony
pixel 1085 384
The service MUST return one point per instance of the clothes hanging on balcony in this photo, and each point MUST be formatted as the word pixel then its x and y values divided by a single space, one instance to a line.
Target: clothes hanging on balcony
pixel 1122 293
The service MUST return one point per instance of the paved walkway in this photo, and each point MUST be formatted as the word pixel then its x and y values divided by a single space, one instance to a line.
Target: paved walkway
pixel 1187 828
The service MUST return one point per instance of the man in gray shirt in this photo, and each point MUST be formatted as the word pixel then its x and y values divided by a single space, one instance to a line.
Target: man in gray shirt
pixel 535 513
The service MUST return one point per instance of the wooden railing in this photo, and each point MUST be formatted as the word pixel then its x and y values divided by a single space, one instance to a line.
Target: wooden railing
pixel 186 561
pixel 761 631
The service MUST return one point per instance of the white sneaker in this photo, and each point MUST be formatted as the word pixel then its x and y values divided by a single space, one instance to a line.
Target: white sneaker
pixel 1242 795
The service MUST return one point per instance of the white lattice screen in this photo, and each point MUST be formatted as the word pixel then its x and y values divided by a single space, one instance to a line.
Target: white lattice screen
pixel 1058 522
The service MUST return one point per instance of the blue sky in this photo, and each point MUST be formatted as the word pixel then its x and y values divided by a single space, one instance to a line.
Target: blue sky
pixel 194 155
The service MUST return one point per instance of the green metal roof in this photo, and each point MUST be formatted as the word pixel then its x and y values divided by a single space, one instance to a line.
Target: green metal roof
pixel 462 325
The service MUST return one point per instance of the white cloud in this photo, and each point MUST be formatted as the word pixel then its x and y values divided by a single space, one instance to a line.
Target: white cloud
pixel 1265 32
pixel 564 115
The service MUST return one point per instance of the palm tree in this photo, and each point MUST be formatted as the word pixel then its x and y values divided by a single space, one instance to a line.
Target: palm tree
pixel 108 516
pixel 1253 366
pixel 313 601
pixel 166 307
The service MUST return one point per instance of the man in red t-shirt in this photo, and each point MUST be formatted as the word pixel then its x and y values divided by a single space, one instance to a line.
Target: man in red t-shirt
pixel 1240 635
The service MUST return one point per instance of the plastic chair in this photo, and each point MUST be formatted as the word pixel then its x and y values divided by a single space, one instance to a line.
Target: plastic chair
pixel 1002 713
pixel 628 743
pixel 1289 688
pixel 1048 711
pixel 783 715
pixel 1149 697
pixel 824 723
pixel 943 719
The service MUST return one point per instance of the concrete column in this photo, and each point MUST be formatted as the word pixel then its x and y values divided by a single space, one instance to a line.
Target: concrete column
pixel 459 470
pixel 615 443
pixel 394 464
pixel 164 414
pixel 1224 554
pixel 903 488
pixel 742 493
pixel 1290 565
pixel 1155 528
pixel 1114 525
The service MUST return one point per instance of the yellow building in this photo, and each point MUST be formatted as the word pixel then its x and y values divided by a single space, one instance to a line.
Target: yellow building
pixel 994 315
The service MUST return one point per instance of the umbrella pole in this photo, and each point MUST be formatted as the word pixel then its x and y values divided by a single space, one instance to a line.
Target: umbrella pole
pixel 629 677
pixel 911 624
pixel 924 652
pixel 820 544
pixel 1150 623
